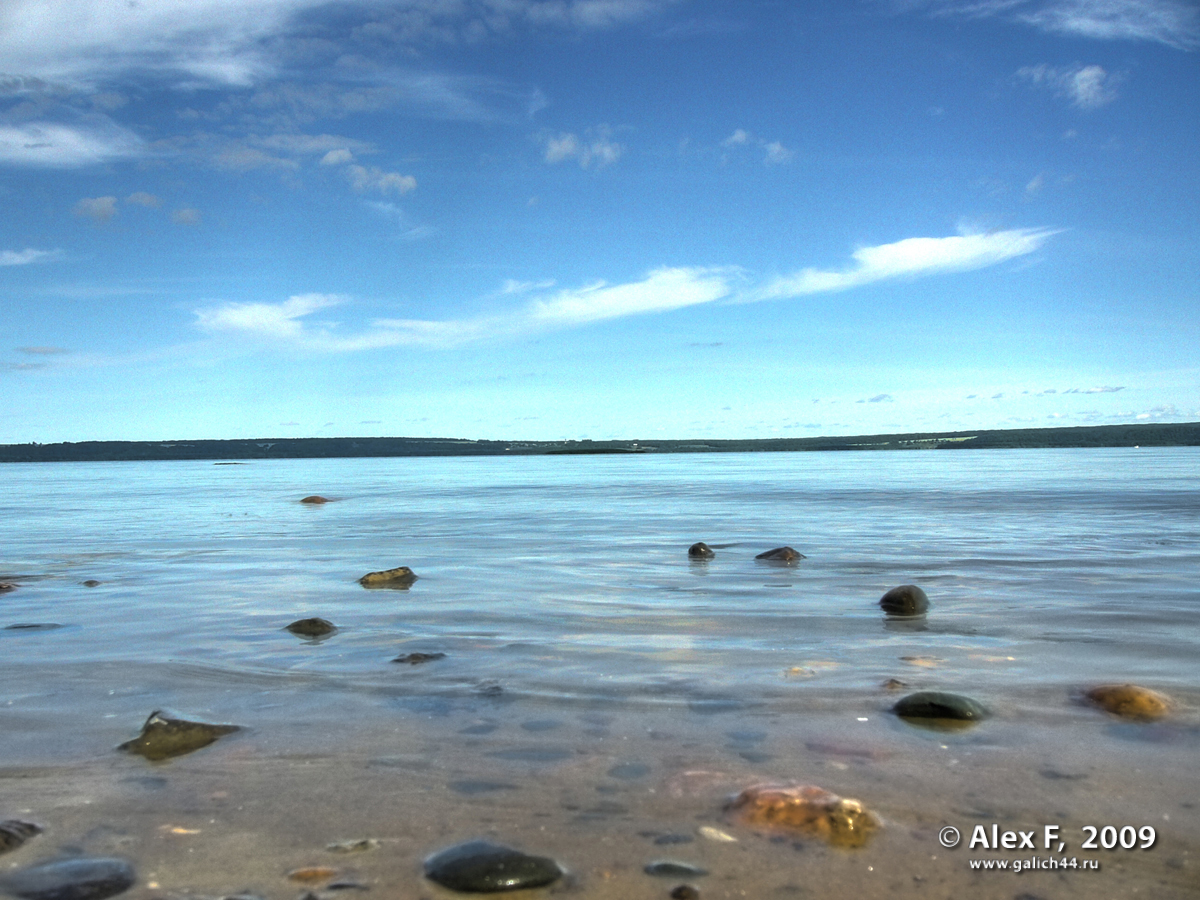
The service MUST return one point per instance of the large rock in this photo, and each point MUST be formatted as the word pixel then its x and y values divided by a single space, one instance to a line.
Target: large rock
pixel 1130 701
pixel 781 554
pixel 940 705
pixel 806 810
pixel 312 628
pixel 701 550
pixel 399 577
pixel 314 498
pixel 14 833
pixel 906 600
pixel 481 867
pixel 164 736
pixel 77 878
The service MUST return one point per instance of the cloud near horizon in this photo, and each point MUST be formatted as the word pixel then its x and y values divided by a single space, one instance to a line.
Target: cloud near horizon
pixel 661 290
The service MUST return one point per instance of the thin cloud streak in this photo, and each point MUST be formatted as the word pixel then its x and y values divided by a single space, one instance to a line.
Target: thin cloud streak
pixel 28 256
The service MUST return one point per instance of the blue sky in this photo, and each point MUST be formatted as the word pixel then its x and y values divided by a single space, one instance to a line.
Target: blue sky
pixel 551 219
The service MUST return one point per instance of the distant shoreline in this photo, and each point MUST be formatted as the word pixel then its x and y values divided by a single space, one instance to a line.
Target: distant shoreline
pixel 1149 435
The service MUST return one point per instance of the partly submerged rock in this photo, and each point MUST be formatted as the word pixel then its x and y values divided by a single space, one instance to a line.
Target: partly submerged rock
pixel 415 659
pixel 6 586
pixel 781 554
pixel 312 628
pixel 91 582
pixel 940 705
pixel 806 810
pixel 481 867
pixel 1130 701
pixel 669 868
pixel 14 833
pixel 77 878
pixel 164 736
pixel 399 577
pixel 33 626
pixel 314 498
pixel 701 550
pixel 906 600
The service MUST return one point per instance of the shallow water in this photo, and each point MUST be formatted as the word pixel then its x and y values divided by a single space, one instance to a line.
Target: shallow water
pixel 590 665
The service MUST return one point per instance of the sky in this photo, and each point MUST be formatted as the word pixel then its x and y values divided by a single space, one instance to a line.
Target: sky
pixel 604 219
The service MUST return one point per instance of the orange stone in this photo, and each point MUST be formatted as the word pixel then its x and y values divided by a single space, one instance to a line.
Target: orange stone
pixel 311 874
pixel 1130 701
pixel 806 810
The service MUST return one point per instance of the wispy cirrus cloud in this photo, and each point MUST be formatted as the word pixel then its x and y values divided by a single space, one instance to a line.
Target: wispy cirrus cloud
pixel 1087 87
pixel 57 145
pixel 662 290
pixel 28 256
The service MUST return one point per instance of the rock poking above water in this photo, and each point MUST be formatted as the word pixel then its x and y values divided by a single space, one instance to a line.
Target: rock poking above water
pixel 312 628
pixel 481 867
pixel 164 736
pixel 781 554
pixel 399 577
pixel 1130 701
pixel 940 705
pixel 14 833
pixel 669 868
pixel 314 498
pixel 807 810
pixel 77 878
pixel 906 600
pixel 91 582
pixel 701 550
pixel 415 659
pixel 6 586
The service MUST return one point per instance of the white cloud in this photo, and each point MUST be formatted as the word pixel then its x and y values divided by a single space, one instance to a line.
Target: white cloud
pixel 271 320
pixel 186 216
pixel 27 256
pixel 337 157
pixel 141 198
pixel 101 209
pixel 776 152
pixel 909 258
pixel 595 149
pixel 1087 87
pixel 739 137
pixel 54 145
pixel 565 146
pixel 662 290
pixel 363 178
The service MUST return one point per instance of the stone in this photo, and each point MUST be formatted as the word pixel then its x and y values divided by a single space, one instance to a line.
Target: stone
pixel 33 626
pixel 6 586
pixel 312 628
pixel 906 600
pixel 164 737
pixel 701 550
pixel 667 868
pixel 894 684
pixel 415 659
pixel 685 892
pixel 77 878
pixel 481 867
pixel 312 874
pixel 806 810
pixel 91 582
pixel 314 498
pixel 940 705
pixel 360 845
pixel 399 577
pixel 14 833
pixel 781 554
pixel 1130 701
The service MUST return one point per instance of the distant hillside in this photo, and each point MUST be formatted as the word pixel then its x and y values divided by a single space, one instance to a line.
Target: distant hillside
pixel 1178 435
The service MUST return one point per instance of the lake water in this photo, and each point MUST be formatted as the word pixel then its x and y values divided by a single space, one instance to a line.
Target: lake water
pixel 600 692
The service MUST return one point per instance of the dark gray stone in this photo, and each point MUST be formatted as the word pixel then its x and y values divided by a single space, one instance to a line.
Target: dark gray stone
pixel 14 833
pixel 312 628
pixel 906 600
pixel 481 867
pixel 415 659
pixel 667 868
pixel 164 736
pixel 80 878
pixel 940 705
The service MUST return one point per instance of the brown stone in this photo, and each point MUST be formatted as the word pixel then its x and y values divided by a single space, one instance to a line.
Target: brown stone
pixel 314 498
pixel 6 586
pixel 806 810
pixel 401 577
pixel 1130 701
pixel 312 874
pixel 781 554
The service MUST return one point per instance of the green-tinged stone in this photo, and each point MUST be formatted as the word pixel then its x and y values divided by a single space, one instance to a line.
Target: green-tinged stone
pixel 415 659
pixel 399 577
pixel 164 737
pixel 79 878
pixel 481 867
pixel 940 705
pixel 312 628
pixel 14 833
pixel 666 868
pixel 781 554
pixel 314 498
pixel 906 600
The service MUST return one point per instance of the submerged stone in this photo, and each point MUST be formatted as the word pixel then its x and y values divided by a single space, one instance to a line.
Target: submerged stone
pixel 415 659
pixel 781 554
pixel 33 626
pixel 312 628
pixel 668 868
pixel 481 867
pixel 399 577
pixel 940 705
pixel 14 833
pixel 6 586
pixel 685 892
pixel 1130 701
pixel 906 600
pixel 164 736
pixel 314 498
pixel 80 878
pixel 806 810
pixel 91 582
pixel 701 550
pixel 361 845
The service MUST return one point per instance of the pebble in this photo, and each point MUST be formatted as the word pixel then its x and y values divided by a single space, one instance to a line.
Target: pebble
pixel 311 874
pixel 685 892
pixel 715 834
pixel 399 577
pixel 781 554
pixel 14 833
pixel 482 867
pixel 894 684
pixel 701 550
pixel 415 659
pixel 312 628
pixel 668 868
pixel 906 600
pixel 91 582
pixel 77 878
pixel 164 736
pixel 807 810
pixel 357 846
pixel 1130 701
pixel 939 705
pixel 314 498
